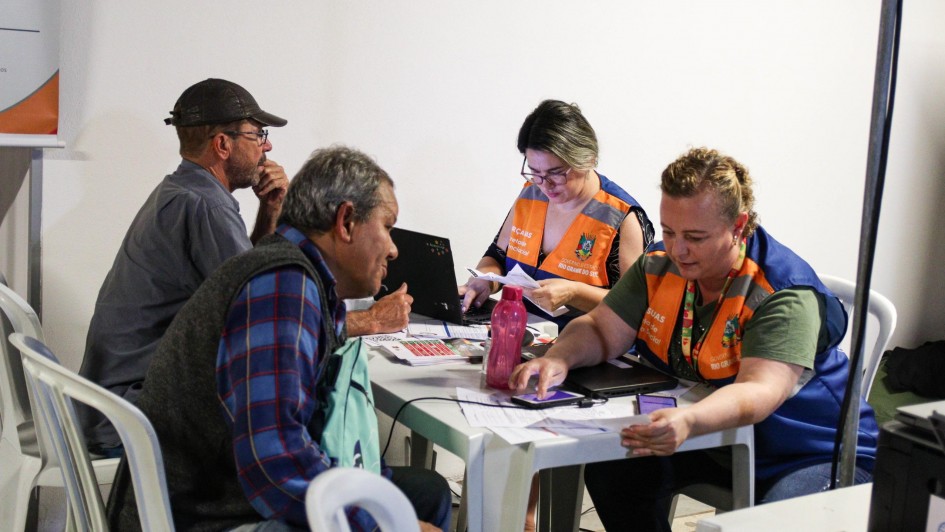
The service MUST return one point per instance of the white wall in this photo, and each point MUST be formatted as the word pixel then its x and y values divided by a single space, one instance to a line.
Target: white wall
pixel 436 91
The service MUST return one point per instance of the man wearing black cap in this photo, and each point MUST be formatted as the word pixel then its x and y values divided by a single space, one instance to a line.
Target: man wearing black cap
pixel 189 225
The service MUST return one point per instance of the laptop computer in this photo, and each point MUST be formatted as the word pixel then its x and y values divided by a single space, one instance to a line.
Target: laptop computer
pixel 918 415
pixel 425 263
pixel 620 376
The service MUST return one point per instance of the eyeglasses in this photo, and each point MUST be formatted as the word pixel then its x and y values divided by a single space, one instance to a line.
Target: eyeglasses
pixel 260 135
pixel 555 177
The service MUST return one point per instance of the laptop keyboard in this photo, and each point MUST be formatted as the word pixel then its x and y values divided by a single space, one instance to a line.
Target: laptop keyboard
pixel 479 315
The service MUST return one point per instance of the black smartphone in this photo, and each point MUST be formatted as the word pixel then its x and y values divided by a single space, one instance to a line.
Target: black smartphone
pixel 535 351
pixel 552 399
pixel 648 403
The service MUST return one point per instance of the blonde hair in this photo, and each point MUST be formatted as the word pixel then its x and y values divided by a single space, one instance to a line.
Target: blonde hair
pixel 702 168
pixel 559 128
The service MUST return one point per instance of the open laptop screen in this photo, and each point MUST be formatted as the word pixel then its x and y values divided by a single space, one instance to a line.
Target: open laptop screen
pixel 425 263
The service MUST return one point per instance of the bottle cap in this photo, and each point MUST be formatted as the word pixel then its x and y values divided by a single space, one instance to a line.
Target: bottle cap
pixel 512 293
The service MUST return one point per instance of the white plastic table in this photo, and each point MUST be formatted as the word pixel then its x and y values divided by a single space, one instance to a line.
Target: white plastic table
pixel 844 509
pixel 498 474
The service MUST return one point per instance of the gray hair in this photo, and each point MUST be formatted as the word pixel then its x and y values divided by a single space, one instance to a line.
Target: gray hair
pixel 330 177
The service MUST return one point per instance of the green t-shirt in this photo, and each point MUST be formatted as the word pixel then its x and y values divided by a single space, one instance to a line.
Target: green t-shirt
pixel 788 326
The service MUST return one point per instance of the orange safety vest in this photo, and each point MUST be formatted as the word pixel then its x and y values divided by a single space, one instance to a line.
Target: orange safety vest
pixel 581 254
pixel 721 351
pixel 803 429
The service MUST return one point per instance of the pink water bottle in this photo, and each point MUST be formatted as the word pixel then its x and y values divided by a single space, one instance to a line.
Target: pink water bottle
pixel 508 327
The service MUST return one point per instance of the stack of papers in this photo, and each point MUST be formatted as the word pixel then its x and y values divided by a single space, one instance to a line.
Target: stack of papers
pixel 517 277
pixel 524 425
pixel 421 352
pixel 433 328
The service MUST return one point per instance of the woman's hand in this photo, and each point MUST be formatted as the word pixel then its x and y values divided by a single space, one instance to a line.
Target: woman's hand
pixel 474 292
pixel 550 371
pixel 667 430
pixel 553 293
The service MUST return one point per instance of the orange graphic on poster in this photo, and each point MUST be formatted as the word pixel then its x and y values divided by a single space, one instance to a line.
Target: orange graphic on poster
pixel 37 114
pixel 29 74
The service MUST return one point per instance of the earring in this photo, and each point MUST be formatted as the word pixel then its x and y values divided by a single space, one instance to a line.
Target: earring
pixel 734 240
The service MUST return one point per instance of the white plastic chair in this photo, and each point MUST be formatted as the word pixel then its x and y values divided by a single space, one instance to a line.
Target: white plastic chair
pixel 26 462
pixel 880 309
pixel 338 487
pixel 53 389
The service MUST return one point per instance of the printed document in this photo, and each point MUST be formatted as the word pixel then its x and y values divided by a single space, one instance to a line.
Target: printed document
pixel 517 277
pixel 519 425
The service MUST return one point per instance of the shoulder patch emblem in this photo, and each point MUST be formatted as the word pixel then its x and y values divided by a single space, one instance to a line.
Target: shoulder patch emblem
pixel 731 336
pixel 585 247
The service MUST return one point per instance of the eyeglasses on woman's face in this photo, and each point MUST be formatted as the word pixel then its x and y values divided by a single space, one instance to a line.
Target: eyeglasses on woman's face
pixel 555 177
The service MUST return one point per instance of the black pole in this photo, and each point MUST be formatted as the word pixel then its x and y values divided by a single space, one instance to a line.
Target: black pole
pixel 884 89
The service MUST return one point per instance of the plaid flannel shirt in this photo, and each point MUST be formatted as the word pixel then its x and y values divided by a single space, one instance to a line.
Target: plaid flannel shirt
pixel 266 372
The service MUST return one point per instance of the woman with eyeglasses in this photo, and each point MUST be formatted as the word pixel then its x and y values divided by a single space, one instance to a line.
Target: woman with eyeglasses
pixel 571 228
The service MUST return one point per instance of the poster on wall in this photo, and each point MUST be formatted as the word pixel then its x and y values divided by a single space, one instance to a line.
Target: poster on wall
pixel 29 78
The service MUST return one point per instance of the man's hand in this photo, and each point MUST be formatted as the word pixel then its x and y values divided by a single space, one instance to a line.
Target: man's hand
pixel 272 186
pixel 388 314
pixel 392 312
pixel 270 190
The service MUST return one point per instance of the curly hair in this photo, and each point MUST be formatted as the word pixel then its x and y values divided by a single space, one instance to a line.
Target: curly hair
pixel 702 168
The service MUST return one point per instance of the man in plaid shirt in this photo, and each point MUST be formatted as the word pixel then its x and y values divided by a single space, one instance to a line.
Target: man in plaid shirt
pixel 239 414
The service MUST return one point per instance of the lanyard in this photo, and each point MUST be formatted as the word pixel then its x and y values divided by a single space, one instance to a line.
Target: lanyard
pixel 690 352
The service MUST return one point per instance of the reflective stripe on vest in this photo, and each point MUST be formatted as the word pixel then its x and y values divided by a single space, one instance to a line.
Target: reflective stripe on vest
pixel 802 430
pixel 581 254
pixel 721 350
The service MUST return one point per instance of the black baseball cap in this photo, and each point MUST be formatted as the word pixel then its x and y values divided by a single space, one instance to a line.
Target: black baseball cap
pixel 218 101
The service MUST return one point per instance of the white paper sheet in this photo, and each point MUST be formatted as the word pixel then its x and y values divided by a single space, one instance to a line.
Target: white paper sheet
pixel 936 517
pixel 375 340
pixel 517 277
pixel 519 425
pixel 431 328
pixel 485 416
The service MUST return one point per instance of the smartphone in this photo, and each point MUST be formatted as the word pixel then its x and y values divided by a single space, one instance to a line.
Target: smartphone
pixel 648 403
pixel 535 351
pixel 552 399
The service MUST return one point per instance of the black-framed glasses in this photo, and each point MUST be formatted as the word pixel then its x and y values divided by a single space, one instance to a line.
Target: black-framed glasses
pixel 555 177
pixel 260 135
